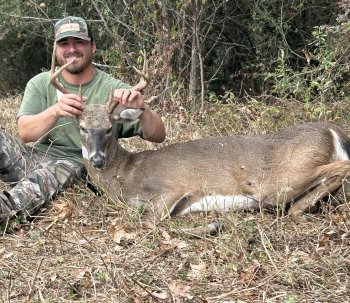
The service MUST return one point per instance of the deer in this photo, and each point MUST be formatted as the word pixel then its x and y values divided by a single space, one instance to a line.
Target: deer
pixel 296 166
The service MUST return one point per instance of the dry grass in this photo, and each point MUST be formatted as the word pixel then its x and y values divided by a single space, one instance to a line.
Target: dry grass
pixel 92 249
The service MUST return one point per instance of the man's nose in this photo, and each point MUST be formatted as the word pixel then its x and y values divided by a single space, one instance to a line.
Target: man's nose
pixel 72 47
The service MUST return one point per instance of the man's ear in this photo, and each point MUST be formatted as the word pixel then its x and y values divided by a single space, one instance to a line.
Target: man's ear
pixel 93 45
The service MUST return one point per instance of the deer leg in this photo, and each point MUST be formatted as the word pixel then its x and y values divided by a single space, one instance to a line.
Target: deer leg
pixel 161 207
pixel 175 206
pixel 331 178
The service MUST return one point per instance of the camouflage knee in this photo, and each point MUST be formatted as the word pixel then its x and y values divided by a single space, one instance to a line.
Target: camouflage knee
pixel 65 171
pixel 15 158
pixel 42 184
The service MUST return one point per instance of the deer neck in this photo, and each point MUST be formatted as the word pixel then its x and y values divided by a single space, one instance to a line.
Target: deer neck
pixel 116 155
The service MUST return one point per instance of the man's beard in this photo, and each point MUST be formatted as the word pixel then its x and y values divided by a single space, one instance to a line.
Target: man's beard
pixel 77 69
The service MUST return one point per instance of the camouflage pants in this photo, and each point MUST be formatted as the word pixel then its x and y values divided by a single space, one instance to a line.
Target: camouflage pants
pixel 35 178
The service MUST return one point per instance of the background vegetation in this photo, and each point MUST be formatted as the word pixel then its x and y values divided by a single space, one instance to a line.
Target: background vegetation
pixel 198 50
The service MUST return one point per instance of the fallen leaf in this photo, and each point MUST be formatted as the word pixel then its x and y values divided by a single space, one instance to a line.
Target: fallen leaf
pixel 161 295
pixel 118 234
pixel 108 258
pixel 166 236
pixel 80 273
pixel 180 291
pixel 324 241
pixel 197 270
pixel 8 255
pixel 181 245
pixel 248 273
pixel 65 211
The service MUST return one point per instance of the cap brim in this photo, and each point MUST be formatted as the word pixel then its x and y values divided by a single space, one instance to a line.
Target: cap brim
pixel 77 35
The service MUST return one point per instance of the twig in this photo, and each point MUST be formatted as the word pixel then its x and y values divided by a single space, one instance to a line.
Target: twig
pixel 112 276
pixel 31 286
pixel 70 285
pixel 144 288
pixel 267 252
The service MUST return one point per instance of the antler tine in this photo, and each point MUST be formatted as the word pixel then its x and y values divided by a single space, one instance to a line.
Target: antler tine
pixel 53 78
pixel 55 74
pixel 80 91
pixel 111 104
pixel 144 81
pixel 53 58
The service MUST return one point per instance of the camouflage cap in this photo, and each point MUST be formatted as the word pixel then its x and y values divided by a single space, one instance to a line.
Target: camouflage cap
pixel 72 27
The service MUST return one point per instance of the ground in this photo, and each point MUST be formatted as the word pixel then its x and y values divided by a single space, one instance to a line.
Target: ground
pixel 89 248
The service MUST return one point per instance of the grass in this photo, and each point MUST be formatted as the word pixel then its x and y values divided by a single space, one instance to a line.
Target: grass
pixel 92 249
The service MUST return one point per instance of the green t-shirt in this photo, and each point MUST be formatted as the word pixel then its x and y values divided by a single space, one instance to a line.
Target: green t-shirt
pixel 63 140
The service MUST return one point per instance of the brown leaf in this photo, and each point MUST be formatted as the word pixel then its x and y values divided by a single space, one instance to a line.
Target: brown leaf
pixel 197 270
pixel 300 256
pixel 324 241
pixel 166 236
pixel 79 274
pixel 65 211
pixel 248 273
pixel 108 258
pixel 118 234
pixel 180 291
pixel 161 295
pixel 8 255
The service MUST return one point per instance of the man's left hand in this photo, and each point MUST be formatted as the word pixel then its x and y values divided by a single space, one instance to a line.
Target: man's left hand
pixel 129 98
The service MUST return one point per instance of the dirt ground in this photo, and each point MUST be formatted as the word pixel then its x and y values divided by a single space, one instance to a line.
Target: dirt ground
pixel 89 248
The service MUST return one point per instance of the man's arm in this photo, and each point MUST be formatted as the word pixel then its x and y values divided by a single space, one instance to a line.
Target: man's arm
pixel 152 126
pixel 32 127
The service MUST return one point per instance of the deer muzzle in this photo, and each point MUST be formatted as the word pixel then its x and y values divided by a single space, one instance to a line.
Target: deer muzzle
pixel 96 143
pixel 98 160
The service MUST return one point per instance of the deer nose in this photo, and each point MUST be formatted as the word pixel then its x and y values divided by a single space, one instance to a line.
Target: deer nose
pixel 97 160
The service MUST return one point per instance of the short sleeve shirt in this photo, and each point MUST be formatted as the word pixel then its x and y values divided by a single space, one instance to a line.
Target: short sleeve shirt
pixel 63 140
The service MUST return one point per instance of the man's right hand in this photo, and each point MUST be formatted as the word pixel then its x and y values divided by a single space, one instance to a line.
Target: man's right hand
pixel 69 105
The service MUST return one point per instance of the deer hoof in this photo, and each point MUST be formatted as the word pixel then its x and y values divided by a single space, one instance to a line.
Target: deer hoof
pixel 297 216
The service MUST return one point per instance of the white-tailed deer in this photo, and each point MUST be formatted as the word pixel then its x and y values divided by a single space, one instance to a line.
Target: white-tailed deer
pixel 298 165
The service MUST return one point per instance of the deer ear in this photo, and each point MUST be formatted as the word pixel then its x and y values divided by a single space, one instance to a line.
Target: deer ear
pixel 124 114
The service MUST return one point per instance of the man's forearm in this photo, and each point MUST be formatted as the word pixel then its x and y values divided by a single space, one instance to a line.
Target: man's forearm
pixel 152 126
pixel 32 127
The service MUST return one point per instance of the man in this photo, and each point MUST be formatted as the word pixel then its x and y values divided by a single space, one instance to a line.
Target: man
pixel 48 118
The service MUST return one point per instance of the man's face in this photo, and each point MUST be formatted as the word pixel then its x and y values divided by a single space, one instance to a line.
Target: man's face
pixel 70 48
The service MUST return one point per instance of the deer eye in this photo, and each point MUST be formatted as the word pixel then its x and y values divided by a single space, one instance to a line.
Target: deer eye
pixel 82 129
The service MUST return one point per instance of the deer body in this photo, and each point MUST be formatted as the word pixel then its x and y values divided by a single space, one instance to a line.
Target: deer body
pixel 299 164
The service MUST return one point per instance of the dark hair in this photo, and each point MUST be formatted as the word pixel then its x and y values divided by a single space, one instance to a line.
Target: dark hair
pixel 90 33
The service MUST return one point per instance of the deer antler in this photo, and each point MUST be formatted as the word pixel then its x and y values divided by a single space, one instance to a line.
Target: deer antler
pixel 144 81
pixel 142 84
pixel 55 74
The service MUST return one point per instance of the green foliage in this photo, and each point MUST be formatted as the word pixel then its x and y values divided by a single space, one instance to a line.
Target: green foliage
pixel 285 48
pixel 325 76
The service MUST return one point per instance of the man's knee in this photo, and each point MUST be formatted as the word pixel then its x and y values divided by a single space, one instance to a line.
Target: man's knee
pixel 65 171
pixel 13 158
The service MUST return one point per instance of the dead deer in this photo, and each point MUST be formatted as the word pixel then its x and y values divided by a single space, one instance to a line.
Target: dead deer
pixel 298 165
